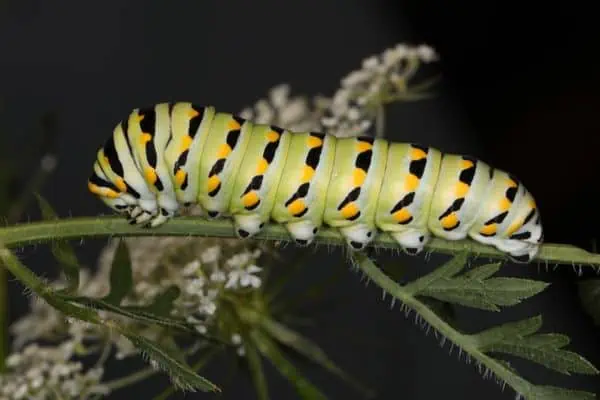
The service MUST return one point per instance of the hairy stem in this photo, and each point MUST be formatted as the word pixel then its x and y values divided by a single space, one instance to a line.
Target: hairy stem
pixel 76 228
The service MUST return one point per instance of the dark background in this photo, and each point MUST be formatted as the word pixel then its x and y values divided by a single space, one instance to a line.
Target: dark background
pixel 520 90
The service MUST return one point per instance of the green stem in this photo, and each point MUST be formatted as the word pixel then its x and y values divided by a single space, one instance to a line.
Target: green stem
pixel 128 380
pixel 519 384
pixel 75 228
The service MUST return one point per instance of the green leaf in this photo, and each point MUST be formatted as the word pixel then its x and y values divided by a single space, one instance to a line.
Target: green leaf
pixel 483 271
pixel 180 372
pixel 589 295
pixel 256 369
pixel 271 351
pixel 135 313
pixel 308 349
pixel 474 288
pixel 520 339
pixel 556 393
pixel 486 295
pixel 449 269
pixel 121 276
pixel 62 251
pixel 162 303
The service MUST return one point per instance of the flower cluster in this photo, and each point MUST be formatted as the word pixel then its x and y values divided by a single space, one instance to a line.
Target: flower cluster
pixel 353 108
pixel 39 373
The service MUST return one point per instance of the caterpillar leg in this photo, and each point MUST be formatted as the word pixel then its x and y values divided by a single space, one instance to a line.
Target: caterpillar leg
pixel 247 225
pixel 358 236
pixel 303 232
pixel 412 241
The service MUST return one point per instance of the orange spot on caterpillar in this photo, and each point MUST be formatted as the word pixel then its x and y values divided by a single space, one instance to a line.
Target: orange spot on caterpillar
pixel 296 207
pixel 250 199
pixel 411 182
pixel 450 221
pixel 402 215
pixel 349 210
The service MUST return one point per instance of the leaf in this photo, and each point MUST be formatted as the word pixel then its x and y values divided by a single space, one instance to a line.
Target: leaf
pixel 520 339
pixel 180 372
pixel 256 370
pixel 163 303
pixel 62 251
pixel 483 271
pixel 589 295
pixel 450 268
pixel 474 288
pixel 136 313
pixel 556 393
pixel 271 351
pixel 121 276
pixel 308 349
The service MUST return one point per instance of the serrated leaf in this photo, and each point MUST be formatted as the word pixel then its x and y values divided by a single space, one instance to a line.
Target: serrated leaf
pixel 449 269
pixel 589 295
pixel 496 334
pixel 563 361
pixel 269 349
pixel 308 349
pixel 474 288
pixel 483 271
pixel 484 294
pixel 180 372
pixel 121 275
pixel 520 339
pixel 556 393
pixel 62 251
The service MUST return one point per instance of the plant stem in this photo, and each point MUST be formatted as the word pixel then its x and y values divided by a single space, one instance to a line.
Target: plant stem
pixel 72 228
pixel 128 380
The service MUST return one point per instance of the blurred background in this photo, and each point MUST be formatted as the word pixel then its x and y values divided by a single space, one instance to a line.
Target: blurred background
pixel 519 89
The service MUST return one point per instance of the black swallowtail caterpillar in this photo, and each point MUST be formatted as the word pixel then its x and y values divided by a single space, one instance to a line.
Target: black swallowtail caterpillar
pixel 175 154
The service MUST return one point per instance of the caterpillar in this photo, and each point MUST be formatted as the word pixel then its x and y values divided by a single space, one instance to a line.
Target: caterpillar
pixel 178 154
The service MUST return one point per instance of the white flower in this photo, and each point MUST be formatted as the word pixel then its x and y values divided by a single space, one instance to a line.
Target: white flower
pixel 244 278
pixel 211 254
pixel 190 268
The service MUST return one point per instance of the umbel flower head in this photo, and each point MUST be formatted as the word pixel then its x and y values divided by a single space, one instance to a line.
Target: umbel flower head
pixel 40 373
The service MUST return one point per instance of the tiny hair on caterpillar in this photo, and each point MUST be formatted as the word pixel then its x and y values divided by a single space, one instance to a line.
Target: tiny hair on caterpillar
pixel 178 154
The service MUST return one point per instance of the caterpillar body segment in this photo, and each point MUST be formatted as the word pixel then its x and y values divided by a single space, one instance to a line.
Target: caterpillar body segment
pixel 406 193
pixel 221 159
pixel 256 182
pixel 189 135
pixel 354 188
pixel 170 155
pixel 302 190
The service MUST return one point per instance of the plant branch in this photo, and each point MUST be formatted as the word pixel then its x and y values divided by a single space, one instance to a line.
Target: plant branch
pixel 75 228
pixel 468 343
